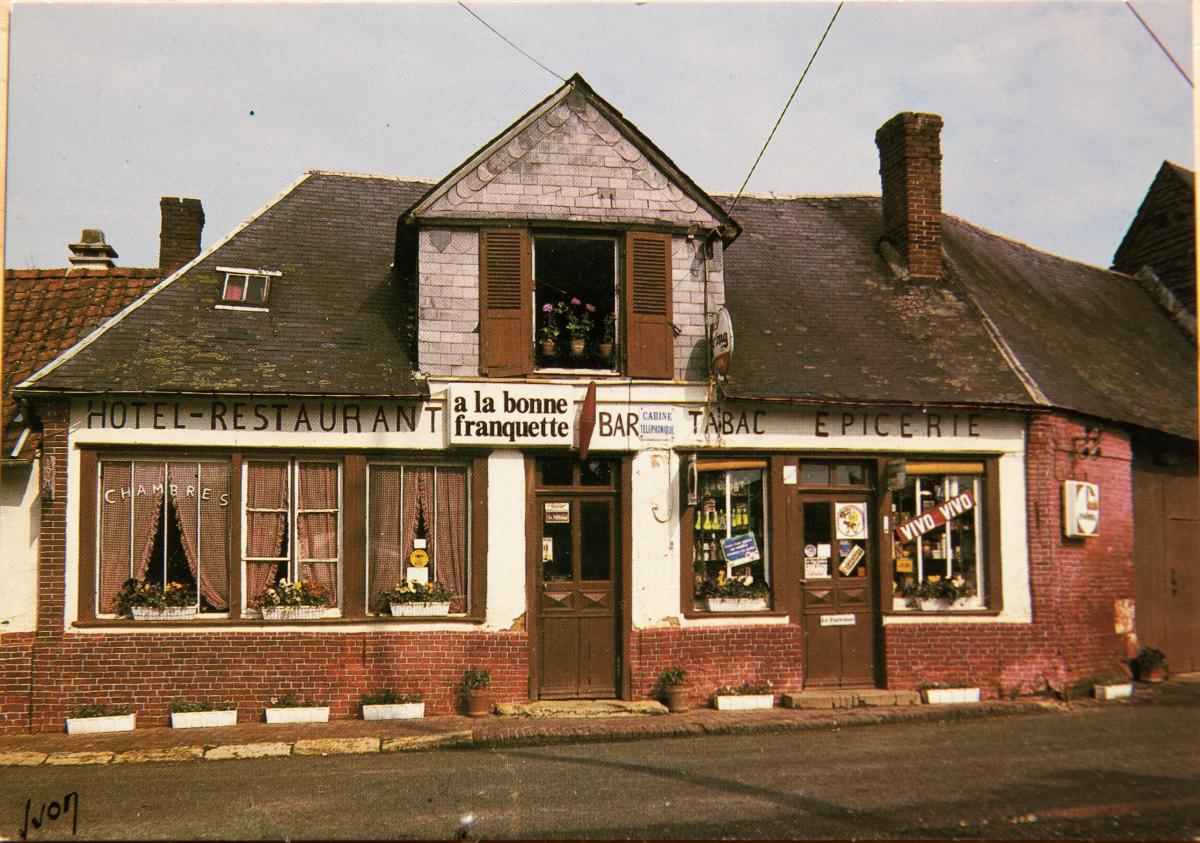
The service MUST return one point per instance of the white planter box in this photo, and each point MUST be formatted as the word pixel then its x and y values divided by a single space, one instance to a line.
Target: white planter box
pixel 394 711
pixel 292 613
pixel 111 723
pixel 419 610
pixel 298 714
pixel 744 702
pixel 203 719
pixel 942 696
pixel 736 604
pixel 1113 692
pixel 166 613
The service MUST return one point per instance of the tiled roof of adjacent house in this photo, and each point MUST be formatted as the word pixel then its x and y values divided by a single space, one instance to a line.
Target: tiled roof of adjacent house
pixel 46 311
pixel 818 316
pixel 334 321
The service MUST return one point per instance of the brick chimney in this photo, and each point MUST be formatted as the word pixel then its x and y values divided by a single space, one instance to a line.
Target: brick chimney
pixel 910 167
pixel 91 252
pixel 179 237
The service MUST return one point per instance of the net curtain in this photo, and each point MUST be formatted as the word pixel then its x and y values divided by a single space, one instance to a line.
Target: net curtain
pixel 203 525
pixel 317 532
pixel 266 488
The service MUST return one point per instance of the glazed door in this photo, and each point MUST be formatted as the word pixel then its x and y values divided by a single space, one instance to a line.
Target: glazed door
pixel 577 595
pixel 837 601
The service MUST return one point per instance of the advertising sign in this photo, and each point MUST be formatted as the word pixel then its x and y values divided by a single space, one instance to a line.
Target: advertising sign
pixel 934 517
pixel 741 550
pixel 837 620
pixel 851 520
pixel 1081 508
pixel 511 414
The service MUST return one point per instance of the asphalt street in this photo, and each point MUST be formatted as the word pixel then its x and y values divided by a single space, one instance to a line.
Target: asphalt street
pixel 1118 771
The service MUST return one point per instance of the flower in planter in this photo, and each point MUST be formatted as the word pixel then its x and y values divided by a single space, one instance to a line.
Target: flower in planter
pixel 292 700
pixel 745 689
pixel 935 588
pixel 186 706
pixel 303 592
pixel 389 697
pixel 416 592
pixel 579 319
pixel 99 710
pixel 744 586
pixel 149 595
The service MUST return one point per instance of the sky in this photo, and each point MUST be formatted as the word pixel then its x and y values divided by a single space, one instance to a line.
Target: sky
pixel 1057 115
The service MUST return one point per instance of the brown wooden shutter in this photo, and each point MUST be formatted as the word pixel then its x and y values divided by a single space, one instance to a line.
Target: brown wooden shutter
pixel 650 342
pixel 505 302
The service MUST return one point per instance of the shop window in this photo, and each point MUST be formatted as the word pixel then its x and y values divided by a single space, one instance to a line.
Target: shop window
pixel 162 522
pixel 731 503
pixel 938 537
pixel 418 528
pixel 292 526
pixel 574 283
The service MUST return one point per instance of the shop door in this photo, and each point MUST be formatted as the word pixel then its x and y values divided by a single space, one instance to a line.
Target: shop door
pixel 837 601
pixel 577 597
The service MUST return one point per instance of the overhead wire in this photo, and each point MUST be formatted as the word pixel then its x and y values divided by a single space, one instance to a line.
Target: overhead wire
pixel 787 105
pixel 1160 44
pixel 510 43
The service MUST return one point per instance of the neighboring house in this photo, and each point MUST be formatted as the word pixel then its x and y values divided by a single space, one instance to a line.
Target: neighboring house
pixel 46 311
pixel 1162 236
pixel 373 380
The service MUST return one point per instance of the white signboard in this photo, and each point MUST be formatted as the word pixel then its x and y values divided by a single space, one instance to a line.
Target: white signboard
pixel 656 424
pixel 837 620
pixel 816 568
pixel 1081 508
pixel 511 414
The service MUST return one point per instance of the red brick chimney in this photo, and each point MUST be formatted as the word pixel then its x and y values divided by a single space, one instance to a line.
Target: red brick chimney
pixel 179 237
pixel 910 167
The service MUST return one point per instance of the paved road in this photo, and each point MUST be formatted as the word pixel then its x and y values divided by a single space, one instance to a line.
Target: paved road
pixel 1119 771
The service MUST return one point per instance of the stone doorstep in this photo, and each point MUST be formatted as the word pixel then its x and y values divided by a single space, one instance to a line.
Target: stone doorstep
pixel 850 698
pixel 582 708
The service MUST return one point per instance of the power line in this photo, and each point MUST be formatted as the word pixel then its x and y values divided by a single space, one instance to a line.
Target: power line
pixel 1160 44
pixel 811 59
pixel 510 43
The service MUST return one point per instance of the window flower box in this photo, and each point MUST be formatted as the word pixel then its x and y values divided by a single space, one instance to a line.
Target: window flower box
pixel 299 714
pixel 107 723
pixel 203 719
pixel 736 604
pixel 292 613
pixel 744 702
pixel 946 696
pixel 1115 691
pixel 394 711
pixel 415 610
pixel 163 613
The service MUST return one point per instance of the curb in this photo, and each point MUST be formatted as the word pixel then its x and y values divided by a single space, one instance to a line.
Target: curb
pixel 525 736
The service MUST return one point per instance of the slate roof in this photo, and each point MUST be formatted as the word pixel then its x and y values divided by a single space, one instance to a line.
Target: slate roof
pixel 1162 235
pixel 334 325
pixel 45 312
pixel 818 316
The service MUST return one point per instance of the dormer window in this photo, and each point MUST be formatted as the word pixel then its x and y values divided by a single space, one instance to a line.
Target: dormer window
pixel 246 289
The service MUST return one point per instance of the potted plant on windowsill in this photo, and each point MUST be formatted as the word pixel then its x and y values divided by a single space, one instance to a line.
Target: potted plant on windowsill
pixel 202 714
pixel 387 705
pixel 477 692
pixel 417 599
pixel 289 708
pixel 292 600
pixel 943 693
pixel 747 696
pixel 935 593
pixel 549 331
pixel 145 601
pixel 1150 665
pixel 90 718
pixel 734 594
pixel 605 346
pixel 579 325
pixel 675 689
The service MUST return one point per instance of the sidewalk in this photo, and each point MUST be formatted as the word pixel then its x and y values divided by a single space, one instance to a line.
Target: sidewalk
pixel 257 740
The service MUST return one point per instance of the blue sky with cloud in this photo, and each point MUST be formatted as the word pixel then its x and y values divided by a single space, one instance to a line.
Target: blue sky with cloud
pixel 1057 115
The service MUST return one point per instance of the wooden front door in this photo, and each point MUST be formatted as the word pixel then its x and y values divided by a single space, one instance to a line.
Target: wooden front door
pixel 837 556
pixel 576 550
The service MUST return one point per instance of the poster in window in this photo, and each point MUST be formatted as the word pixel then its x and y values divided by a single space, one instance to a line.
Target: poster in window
pixel 816 568
pixel 851 520
pixel 851 560
pixel 557 512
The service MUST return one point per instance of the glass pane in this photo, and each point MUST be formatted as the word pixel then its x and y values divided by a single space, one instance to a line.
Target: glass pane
pixel 383 529
pixel 266 485
pixel 596 473
pixel 256 290
pixel 939 564
pixel 266 535
pixel 557 562
pixel 814 473
pixel 451 517
pixel 850 474
pixel 115 500
pixel 318 486
pixel 556 472
pixel 318 535
pixel 212 535
pixel 235 287
pixel 595 540
pixel 818 540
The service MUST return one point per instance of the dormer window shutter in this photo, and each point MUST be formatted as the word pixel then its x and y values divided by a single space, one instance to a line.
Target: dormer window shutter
pixel 650 341
pixel 505 302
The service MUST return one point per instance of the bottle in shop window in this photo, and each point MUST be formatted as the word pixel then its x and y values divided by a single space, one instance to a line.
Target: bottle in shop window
pixel 699 517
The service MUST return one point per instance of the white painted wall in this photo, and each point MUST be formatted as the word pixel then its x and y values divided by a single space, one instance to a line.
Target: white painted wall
pixel 20 514
pixel 506 538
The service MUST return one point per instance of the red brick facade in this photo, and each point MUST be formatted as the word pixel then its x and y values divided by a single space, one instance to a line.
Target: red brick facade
pixel 1075 585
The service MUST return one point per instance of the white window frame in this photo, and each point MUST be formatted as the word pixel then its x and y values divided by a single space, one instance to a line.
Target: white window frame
pixel 233 271
pixel 979 600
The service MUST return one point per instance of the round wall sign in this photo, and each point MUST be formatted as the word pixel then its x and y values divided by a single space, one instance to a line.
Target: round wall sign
pixel 418 558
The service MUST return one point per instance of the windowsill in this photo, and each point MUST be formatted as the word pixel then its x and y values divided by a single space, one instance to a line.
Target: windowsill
pixel 557 371
pixel 942 613
pixel 222 620
pixel 247 308
pixel 760 613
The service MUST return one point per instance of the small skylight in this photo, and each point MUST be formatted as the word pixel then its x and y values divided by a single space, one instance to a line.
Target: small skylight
pixel 246 289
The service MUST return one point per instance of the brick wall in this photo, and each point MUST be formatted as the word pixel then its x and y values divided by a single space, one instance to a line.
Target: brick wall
pixel 1075 584
pixel 910 167
pixel 448 310
pixel 179 235
pixel 715 656
pixel 16 658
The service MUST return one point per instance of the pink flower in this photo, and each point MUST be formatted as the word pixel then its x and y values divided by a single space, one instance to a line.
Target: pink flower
pixel 576 301
pixel 546 308
pixel 591 308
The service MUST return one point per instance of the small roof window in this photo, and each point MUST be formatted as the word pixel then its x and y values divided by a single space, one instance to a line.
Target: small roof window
pixel 245 289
